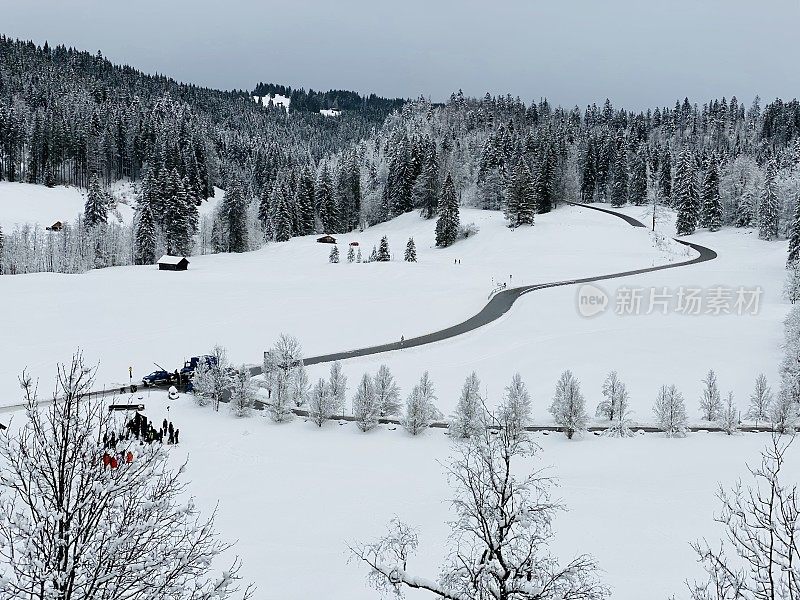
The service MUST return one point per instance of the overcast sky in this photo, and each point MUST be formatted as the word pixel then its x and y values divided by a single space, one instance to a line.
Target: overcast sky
pixel 639 53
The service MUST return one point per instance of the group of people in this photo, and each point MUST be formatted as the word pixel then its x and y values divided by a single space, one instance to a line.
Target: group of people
pixel 142 429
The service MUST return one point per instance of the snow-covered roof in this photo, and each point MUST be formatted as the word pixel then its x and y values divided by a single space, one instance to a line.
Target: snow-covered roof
pixel 330 112
pixel 170 260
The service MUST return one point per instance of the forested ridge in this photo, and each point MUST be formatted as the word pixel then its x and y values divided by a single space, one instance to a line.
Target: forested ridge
pixel 73 118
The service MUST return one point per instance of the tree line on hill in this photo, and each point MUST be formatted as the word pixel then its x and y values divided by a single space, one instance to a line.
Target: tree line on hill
pixel 70 117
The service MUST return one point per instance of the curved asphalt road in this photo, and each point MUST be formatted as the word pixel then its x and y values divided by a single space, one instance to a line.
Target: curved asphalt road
pixel 502 302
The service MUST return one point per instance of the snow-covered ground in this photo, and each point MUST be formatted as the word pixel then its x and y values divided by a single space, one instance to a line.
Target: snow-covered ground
pixel 22 203
pixel 134 316
pixel 294 496
pixel 543 334
pixel 277 100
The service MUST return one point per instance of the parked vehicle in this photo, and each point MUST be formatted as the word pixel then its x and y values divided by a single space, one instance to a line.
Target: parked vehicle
pixel 190 365
pixel 160 377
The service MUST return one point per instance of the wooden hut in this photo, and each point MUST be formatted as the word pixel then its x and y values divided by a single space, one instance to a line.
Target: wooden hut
pixel 172 263
pixel 327 239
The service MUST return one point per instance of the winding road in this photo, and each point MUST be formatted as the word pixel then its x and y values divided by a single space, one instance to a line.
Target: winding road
pixel 502 302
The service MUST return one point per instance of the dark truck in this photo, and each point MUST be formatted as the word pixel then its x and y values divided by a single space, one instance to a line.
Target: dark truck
pixel 190 365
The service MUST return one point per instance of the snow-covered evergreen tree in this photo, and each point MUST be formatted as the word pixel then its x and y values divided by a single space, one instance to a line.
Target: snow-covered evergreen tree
pixel 710 401
pixel 411 251
pixel 387 394
pixel 420 407
pixel 768 207
pixel 760 401
pixel 351 254
pixel 711 214
pixel 326 201
pixel 333 257
pixel 321 403
pixel 243 392
pixel 234 210
pixel 426 188
pixel 665 176
pixel 670 411
pixel 304 202
pixel 145 240
pixel 366 409
pixel 469 417
pixel 96 209
pixel 521 196
pixel 515 410
pixel 794 235
pixel 619 181
pixel 569 407
pixel 358 256
pixel 637 190
pixel 79 529
pixel 728 418
pixel 383 251
pixel 686 197
pixel 448 221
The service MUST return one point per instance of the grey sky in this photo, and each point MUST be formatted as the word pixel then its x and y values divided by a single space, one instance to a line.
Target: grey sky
pixel 637 52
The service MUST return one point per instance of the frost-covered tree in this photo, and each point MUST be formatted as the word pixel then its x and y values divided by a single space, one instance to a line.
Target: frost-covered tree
pixel 728 419
pixel 321 403
pixel 358 256
pixel 383 251
pixel 619 179
pixel 299 385
pixel 768 207
pixel 243 392
pixel 499 543
pixel 615 398
pixel 284 357
pixel 366 409
pixel 637 192
pixel 351 254
pixel 421 410
pixel 569 407
pixel 760 401
pixel 791 285
pixel 279 405
pixel 783 412
pixel 515 410
pixel 670 411
pixel 411 251
pixel 387 394
pixel 333 257
pixel 757 557
pixel 469 417
pixel 79 530
pixel 234 212
pixel 337 384
pixel 710 401
pixel 425 193
pixel 211 382
pixel 448 221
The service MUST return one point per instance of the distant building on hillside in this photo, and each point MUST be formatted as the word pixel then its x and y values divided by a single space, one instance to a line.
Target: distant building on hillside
pixel 173 263
pixel 57 226
pixel 327 239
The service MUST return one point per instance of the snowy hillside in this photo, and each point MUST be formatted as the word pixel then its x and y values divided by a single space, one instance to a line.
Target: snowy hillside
pixel 22 203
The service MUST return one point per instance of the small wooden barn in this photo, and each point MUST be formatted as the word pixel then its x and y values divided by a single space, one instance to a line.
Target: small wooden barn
pixel 173 263
pixel 57 226
pixel 327 239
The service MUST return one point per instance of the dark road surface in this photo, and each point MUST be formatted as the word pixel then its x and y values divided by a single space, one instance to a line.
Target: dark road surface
pixel 502 302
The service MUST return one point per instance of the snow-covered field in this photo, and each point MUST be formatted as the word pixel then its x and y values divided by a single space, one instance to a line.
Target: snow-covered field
pixel 294 496
pixel 134 316
pixel 543 333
